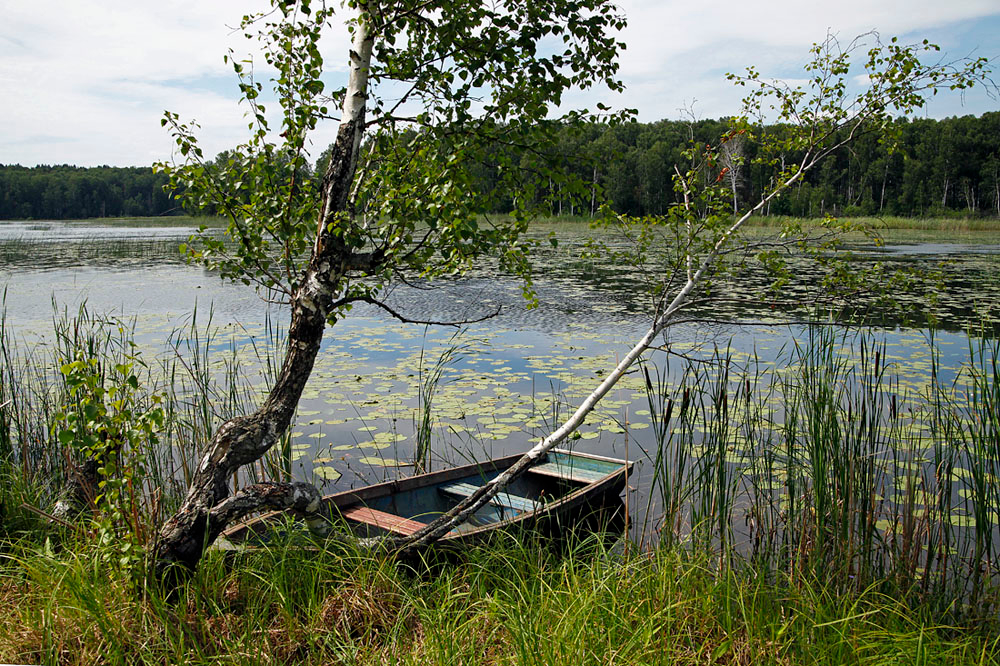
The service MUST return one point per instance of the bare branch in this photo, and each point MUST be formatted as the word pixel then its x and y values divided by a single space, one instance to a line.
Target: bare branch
pixel 408 320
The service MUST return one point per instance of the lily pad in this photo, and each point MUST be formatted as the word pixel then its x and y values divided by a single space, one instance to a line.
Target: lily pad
pixel 326 472
pixel 379 462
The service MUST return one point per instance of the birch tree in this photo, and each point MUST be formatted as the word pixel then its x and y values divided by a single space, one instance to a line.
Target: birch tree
pixel 433 86
pixel 732 156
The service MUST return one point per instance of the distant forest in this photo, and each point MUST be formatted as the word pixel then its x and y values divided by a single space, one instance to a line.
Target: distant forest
pixel 69 192
pixel 941 167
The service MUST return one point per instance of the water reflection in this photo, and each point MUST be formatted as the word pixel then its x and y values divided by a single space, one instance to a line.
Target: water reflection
pixel 515 375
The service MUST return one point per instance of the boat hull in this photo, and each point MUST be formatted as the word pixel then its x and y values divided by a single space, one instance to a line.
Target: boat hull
pixel 558 492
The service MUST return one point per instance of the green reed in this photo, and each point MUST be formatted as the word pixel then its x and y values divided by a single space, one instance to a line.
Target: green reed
pixel 516 601
pixel 979 413
pixel 209 381
pixel 814 515
pixel 203 382
pixel 828 468
pixel 429 380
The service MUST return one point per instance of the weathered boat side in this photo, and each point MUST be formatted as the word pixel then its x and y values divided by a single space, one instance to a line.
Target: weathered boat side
pixel 557 489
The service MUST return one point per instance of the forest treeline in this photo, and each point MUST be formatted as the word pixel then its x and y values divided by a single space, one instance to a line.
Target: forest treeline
pixel 939 167
pixel 70 192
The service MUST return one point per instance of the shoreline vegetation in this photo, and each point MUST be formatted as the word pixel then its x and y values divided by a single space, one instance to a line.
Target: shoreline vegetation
pixel 938 167
pixel 826 500
pixel 956 223
pixel 137 221
pixel 872 531
pixel 517 601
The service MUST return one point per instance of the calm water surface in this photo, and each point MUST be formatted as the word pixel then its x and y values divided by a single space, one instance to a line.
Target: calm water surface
pixel 506 380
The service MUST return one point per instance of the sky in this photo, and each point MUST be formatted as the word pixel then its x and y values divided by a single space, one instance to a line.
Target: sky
pixel 86 83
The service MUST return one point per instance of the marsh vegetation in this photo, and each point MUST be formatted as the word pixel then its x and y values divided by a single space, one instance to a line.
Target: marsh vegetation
pixel 815 467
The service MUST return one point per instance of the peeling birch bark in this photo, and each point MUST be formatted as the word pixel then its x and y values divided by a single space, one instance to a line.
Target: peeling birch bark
pixel 207 507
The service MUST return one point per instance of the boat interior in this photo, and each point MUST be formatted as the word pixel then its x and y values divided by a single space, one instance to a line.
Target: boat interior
pixel 399 509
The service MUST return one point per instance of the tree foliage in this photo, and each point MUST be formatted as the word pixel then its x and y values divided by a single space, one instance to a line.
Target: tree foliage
pixel 68 192
pixel 104 422
pixel 936 168
pixel 450 82
pixel 816 123
pixel 432 86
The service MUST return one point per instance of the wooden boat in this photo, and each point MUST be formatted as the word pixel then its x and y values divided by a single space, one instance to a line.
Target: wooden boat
pixel 558 490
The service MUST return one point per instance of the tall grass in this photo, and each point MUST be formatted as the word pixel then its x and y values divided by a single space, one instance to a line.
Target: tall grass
pixel 819 513
pixel 429 379
pixel 202 383
pixel 952 223
pixel 830 470
pixel 146 222
pixel 207 384
pixel 516 602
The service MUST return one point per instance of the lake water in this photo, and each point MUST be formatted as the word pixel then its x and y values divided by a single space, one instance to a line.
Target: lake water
pixel 504 381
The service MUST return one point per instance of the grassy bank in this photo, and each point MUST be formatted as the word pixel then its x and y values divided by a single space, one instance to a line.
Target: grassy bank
pixel 956 224
pixel 516 602
pixel 172 221
pixel 821 512
pixel 138 222
pixel 888 223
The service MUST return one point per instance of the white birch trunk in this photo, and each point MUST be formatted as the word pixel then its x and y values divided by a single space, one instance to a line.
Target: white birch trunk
pixel 208 508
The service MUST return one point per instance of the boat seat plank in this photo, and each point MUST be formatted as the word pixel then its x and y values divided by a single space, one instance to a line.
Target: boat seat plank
pixel 568 472
pixel 386 521
pixel 505 500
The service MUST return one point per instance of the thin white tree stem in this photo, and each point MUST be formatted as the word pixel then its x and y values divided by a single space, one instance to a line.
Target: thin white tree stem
pixel 461 512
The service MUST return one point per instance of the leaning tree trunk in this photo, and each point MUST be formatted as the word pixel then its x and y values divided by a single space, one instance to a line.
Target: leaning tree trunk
pixel 80 490
pixel 207 507
pixel 661 319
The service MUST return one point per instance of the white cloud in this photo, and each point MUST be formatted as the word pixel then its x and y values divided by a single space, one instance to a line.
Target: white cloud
pixel 87 83
pixel 679 51
pixel 660 31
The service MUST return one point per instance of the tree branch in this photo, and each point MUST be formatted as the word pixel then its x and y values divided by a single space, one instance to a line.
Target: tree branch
pixel 297 496
pixel 408 320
